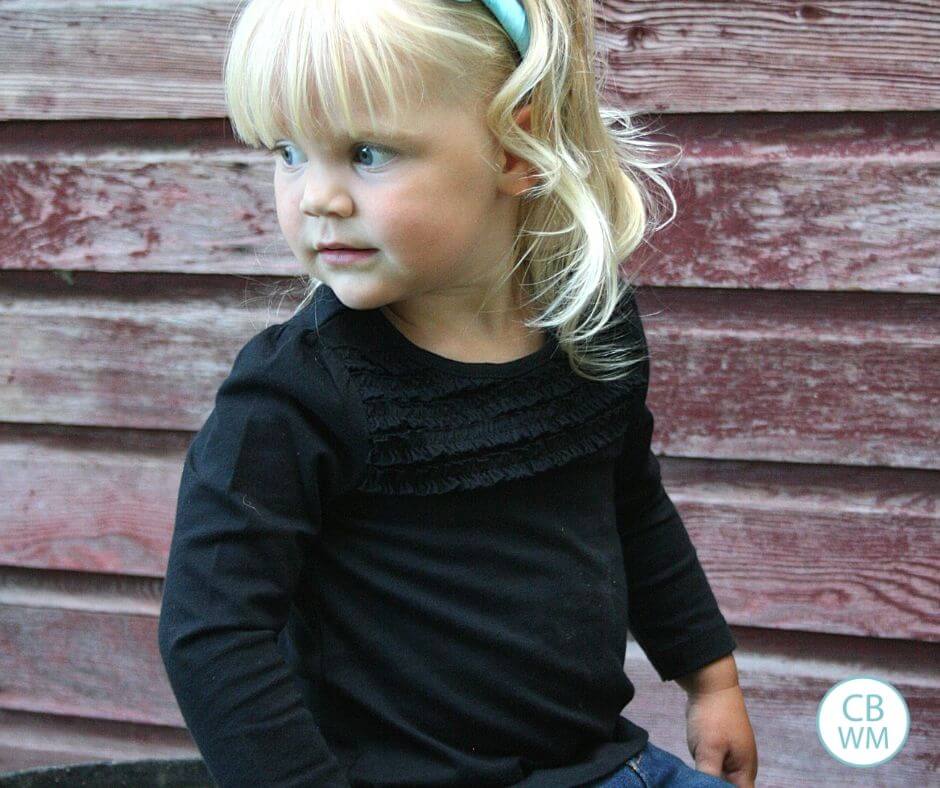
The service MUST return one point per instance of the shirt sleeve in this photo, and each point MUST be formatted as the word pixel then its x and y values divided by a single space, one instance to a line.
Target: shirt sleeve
pixel 672 611
pixel 248 513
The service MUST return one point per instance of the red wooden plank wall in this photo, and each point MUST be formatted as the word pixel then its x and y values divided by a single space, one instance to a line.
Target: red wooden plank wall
pixel 793 307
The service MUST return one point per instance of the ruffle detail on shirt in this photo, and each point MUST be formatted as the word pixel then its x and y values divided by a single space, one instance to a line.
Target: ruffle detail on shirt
pixel 434 431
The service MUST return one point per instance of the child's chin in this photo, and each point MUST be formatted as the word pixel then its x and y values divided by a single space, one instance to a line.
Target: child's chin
pixel 357 290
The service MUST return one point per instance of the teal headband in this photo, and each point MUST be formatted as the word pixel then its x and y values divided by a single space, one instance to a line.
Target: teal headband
pixel 511 15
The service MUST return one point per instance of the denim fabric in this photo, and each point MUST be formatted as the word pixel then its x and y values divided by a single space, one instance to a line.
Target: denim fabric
pixel 653 767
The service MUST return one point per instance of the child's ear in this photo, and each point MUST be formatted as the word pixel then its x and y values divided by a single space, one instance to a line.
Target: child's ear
pixel 517 174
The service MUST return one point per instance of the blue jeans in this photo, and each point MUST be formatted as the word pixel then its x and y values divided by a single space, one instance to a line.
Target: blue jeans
pixel 652 767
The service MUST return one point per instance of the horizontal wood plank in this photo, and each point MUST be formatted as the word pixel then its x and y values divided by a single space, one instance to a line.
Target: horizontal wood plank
pixel 105 665
pixel 67 60
pixel 756 375
pixel 771 56
pixel 98 59
pixel 802 202
pixel 803 377
pixel 816 548
pixel 793 202
pixel 29 740
pixel 790 547
pixel 89 500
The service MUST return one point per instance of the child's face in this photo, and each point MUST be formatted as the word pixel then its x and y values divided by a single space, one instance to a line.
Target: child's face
pixel 440 209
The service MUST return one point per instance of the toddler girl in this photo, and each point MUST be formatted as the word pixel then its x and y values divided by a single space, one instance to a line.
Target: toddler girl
pixel 423 512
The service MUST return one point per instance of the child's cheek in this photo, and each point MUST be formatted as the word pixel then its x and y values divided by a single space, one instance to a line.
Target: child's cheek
pixel 421 224
pixel 290 220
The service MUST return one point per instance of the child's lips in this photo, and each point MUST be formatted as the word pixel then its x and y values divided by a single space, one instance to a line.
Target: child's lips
pixel 346 256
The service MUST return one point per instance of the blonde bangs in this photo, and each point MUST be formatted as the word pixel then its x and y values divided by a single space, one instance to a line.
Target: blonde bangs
pixel 306 69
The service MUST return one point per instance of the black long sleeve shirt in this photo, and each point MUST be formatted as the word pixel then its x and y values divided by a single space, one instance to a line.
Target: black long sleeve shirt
pixel 390 568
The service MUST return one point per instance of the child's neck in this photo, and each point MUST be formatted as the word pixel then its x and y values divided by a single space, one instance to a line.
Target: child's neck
pixel 467 345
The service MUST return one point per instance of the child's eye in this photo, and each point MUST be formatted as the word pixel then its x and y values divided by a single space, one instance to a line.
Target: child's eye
pixel 280 149
pixel 369 146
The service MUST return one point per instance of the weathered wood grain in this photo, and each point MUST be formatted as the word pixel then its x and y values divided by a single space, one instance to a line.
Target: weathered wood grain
pixel 803 202
pixel 847 378
pixel 790 202
pixel 134 59
pixel 785 546
pixel 72 60
pixel 756 375
pixel 104 664
pixel 89 500
pixel 149 361
pixel 29 740
pixel 816 548
pixel 771 56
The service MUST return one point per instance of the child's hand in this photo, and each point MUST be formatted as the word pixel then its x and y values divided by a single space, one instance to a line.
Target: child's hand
pixel 720 736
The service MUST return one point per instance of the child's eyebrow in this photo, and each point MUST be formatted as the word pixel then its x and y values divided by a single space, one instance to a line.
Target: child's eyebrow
pixel 398 135
pixel 389 134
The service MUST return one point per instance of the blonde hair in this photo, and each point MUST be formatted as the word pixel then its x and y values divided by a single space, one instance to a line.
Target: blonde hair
pixel 590 207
